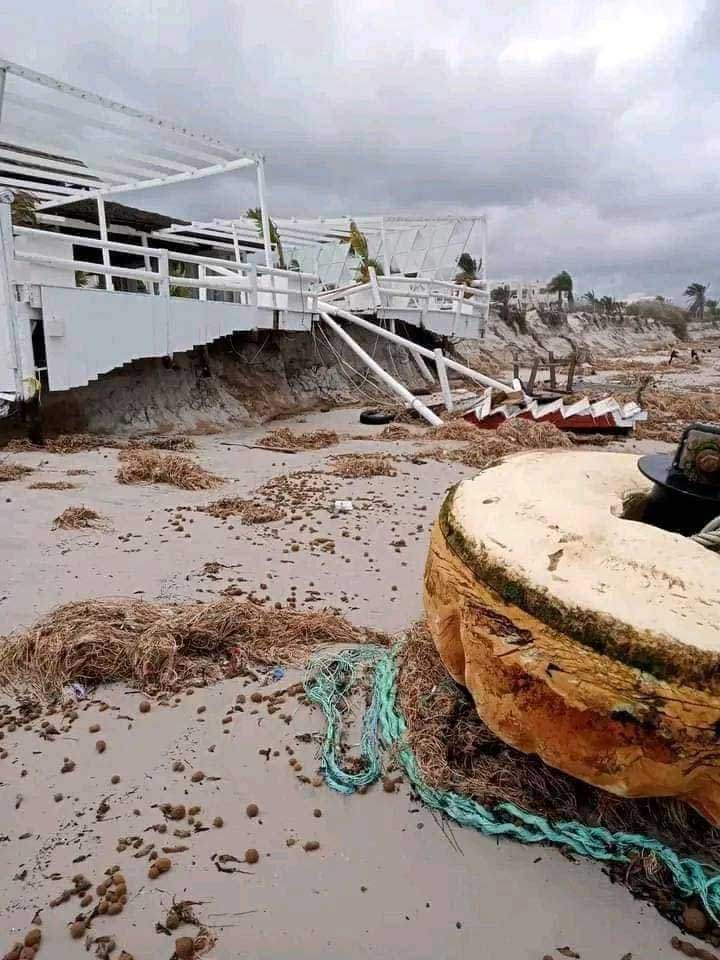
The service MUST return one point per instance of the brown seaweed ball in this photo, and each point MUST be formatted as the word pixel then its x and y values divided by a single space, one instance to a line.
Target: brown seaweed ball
pixel 27 953
pixel 311 845
pixel 178 766
pixel 163 864
pixel 94 728
pixel 153 872
pixel 251 856
pixel 114 908
pixel 144 706
pixel 172 922
pixel 252 810
pixel 33 937
pixel 185 948
pixel 177 812
pixel 77 929
pixel 14 952
pixel 101 746
pixel 218 822
pixel 197 776
pixel 694 920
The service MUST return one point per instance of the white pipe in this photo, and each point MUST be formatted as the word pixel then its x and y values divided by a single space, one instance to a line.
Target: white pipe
pixel 412 401
pixel 422 351
pixel 263 213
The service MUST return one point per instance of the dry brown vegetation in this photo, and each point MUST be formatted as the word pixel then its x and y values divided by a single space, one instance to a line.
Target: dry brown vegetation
pixel 482 447
pixel 159 645
pixel 249 511
pixel 149 466
pixel 81 442
pixel 354 465
pixel 393 431
pixel 312 440
pixel 78 518
pixel 669 413
pixel 13 471
pixel 52 485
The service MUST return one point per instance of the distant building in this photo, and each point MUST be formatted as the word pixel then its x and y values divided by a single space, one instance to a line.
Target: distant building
pixel 530 293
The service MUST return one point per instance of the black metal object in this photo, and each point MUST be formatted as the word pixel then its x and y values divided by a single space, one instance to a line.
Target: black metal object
pixel 686 492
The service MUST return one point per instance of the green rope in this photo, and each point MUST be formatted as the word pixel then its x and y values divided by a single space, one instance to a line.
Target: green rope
pixel 330 681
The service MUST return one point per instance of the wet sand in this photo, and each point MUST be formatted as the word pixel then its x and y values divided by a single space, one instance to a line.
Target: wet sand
pixel 388 880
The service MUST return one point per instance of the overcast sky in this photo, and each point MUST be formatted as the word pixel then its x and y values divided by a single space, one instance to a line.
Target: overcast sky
pixel 588 130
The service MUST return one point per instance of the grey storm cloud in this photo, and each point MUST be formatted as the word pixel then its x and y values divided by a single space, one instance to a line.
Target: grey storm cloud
pixel 588 130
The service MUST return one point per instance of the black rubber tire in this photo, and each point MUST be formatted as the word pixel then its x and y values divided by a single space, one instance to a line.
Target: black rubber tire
pixel 376 417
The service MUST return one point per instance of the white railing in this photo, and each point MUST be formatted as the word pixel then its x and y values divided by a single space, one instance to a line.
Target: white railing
pixel 257 286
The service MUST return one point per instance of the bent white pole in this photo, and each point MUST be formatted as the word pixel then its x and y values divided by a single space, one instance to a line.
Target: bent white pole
pixel 415 347
pixel 412 401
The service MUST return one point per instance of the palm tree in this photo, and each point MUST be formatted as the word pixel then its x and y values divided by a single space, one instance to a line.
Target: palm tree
pixel 712 308
pixel 359 247
pixel 255 213
pixel 607 304
pixel 695 292
pixel 23 209
pixel 591 300
pixel 560 284
pixel 501 295
pixel 468 268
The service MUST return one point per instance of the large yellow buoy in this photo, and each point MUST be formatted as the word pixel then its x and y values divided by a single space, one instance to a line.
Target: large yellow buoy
pixel 587 638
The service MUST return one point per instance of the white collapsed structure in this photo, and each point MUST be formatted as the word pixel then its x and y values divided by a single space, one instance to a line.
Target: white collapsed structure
pixel 88 284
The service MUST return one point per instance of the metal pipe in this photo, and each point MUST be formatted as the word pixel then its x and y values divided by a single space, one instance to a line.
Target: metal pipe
pixel 422 351
pixel 383 375
pixel 263 213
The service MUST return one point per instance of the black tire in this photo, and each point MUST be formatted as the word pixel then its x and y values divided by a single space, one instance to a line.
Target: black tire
pixel 376 417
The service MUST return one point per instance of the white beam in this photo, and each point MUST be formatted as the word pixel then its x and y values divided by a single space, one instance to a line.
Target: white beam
pixel 85 95
pixel 158 181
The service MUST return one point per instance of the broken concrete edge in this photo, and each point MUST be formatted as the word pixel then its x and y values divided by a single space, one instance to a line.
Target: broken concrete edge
pixel 664 658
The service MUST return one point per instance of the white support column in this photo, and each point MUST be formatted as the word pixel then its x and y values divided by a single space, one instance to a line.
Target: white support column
pixel 443 378
pixel 383 240
pixel 7 297
pixel 148 262
pixel 164 291
pixel 3 76
pixel 202 291
pixel 236 244
pixel 263 212
pixel 102 223
pixel 483 253
pixel 377 298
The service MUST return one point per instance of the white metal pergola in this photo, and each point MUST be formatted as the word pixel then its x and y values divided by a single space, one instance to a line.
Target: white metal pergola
pixel 61 143
pixel 428 247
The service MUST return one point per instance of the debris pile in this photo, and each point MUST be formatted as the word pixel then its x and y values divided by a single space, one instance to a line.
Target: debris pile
pixel 355 465
pixel 159 645
pixel 149 466
pixel 312 440
pixel 13 471
pixel 78 518
pixel 669 413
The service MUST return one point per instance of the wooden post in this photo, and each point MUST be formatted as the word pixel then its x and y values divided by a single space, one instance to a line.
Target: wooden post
pixel 443 378
pixel 533 375
pixel 571 373
pixel 551 365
